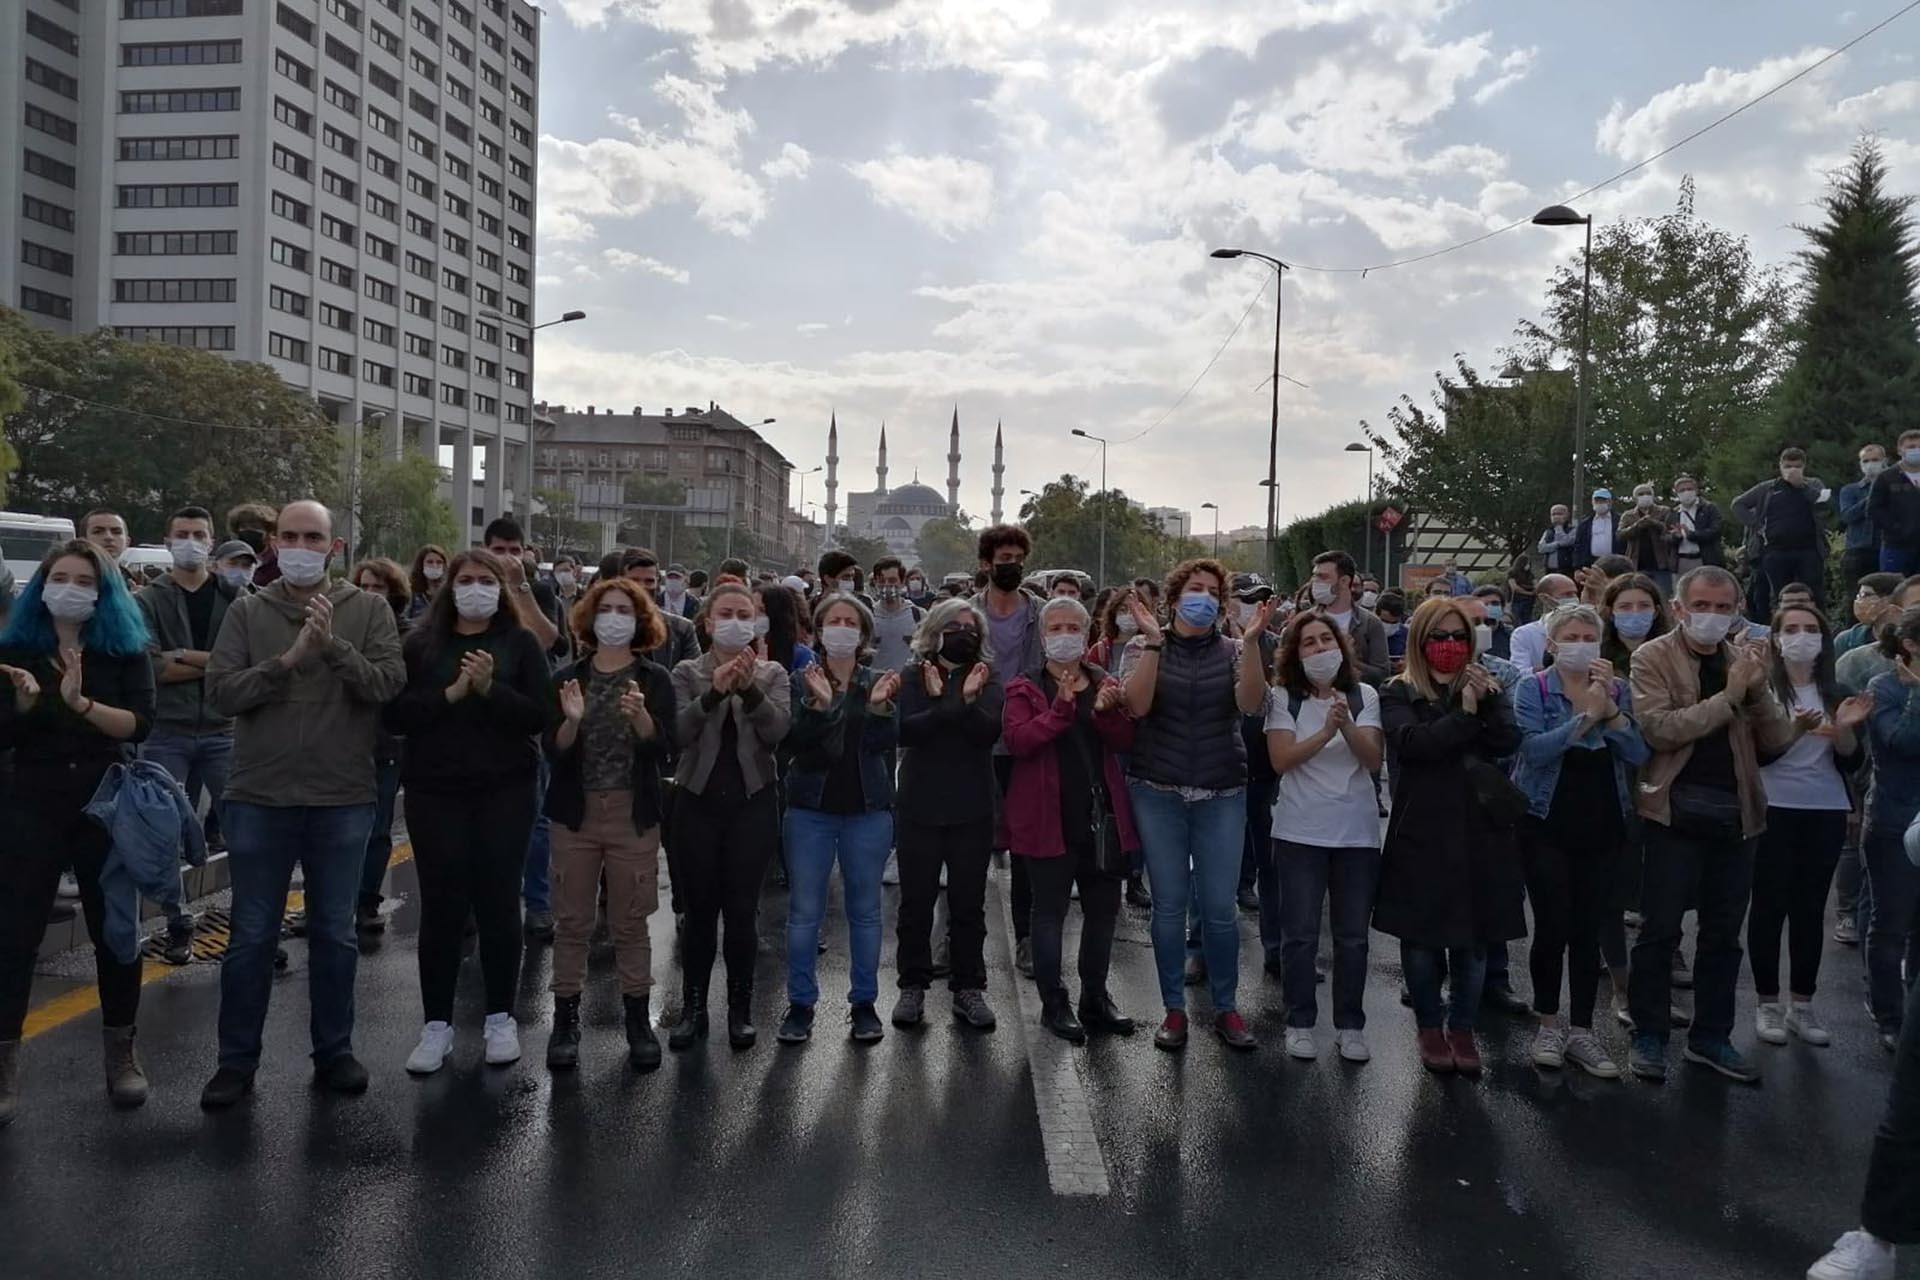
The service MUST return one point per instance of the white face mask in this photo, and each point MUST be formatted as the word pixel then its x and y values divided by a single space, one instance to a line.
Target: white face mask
pixel 761 626
pixel 565 581
pixel 1689 499
pixel 1322 593
pixel 1643 501
pixel 1323 666
pixel 1126 625
pixel 1065 646
pixel 1244 612
pixel 1872 468
pixel 840 641
pixel 1482 638
pixel 614 630
pixel 433 572
pixel 1800 646
pixel 476 600
pixel 302 567
pixel 189 553
pixel 676 588
pixel 1576 655
pixel 68 602
pixel 239 577
pixel 1368 599
pixel 1708 628
pixel 734 634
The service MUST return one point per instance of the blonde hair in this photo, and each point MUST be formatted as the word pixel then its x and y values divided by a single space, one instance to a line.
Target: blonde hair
pixel 1419 627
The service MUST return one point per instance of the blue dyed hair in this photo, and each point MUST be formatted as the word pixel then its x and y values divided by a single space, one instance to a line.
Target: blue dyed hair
pixel 117 627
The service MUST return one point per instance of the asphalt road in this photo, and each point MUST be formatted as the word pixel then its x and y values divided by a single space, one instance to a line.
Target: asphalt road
pixel 924 1155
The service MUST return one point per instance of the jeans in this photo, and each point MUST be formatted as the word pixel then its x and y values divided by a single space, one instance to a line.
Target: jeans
pixel 373 871
pixel 1893 927
pixel 534 888
pixel 1465 969
pixel 1193 849
pixel 1792 872
pixel 196 761
pixel 1572 890
pixel 860 842
pixel 330 844
pixel 467 850
pixel 1309 876
pixel 1053 880
pixel 964 851
pixel 1715 877
pixel 1891 1207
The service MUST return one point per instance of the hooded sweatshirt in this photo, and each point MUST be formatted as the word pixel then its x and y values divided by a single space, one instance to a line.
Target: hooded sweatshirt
pixel 305 736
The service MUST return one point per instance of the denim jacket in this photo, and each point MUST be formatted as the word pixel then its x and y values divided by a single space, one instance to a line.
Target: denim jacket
pixel 1894 732
pixel 1546 719
pixel 819 738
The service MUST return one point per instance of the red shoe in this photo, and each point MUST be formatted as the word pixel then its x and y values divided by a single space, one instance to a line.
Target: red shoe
pixel 1466 1054
pixel 1173 1032
pixel 1232 1028
pixel 1435 1054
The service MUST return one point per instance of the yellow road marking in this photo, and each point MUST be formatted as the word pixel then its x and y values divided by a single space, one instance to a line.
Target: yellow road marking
pixel 81 1001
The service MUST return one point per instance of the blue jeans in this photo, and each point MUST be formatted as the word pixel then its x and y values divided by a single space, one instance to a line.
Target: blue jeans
pixel 534 889
pixel 197 762
pixel 861 842
pixel 1192 849
pixel 1308 875
pixel 1465 969
pixel 330 844
pixel 380 838
pixel 1893 926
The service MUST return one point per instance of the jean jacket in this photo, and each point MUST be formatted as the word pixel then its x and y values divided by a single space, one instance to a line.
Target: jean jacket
pixel 1546 719
pixel 819 739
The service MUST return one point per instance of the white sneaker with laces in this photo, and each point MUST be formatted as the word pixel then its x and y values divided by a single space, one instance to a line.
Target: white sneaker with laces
pixel 1585 1051
pixel 1802 1021
pixel 1856 1255
pixel 1770 1023
pixel 1300 1044
pixel 1550 1045
pixel 436 1042
pixel 1353 1045
pixel 503 1039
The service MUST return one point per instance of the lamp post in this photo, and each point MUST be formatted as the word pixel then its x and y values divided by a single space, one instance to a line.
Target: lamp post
pixel 1215 508
pixel 1366 518
pixel 1101 441
pixel 803 483
pixel 527 469
pixel 1559 215
pixel 1273 430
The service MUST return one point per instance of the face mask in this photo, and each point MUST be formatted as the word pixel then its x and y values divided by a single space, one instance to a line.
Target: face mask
pixel 1482 638
pixel 1125 625
pixel 890 595
pixel 1322 592
pixel 565 580
pixel 1708 628
pixel 1910 457
pixel 476 600
pixel 1872 468
pixel 961 648
pixel 253 538
pixel 1633 625
pixel 189 554
pixel 1368 599
pixel 1800 646
pixel 846 586
pixel 915 586
pixel 433 572
pixel 1601 508
pixel 733 633
pixel 1007 577
pixel 676 588
pixel 1243 612
pixel 1689 499
pixel 1447 656
pixel 840 641
pixel 1793 475
pixel 762 625
pixel 1643 501
pixel 614 630
pixel 1065 646
pixel 1199 609
pixel 1577 655
pixel 69 603
pixel 1323 666
pixel 1495 612
pixel 239 578
pixel 302 567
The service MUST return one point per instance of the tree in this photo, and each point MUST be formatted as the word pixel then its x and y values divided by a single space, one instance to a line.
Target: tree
pixel 397 504
pixel 558 528
pixel 863 548
pixel 1345 527
pixel 10 402
pixel 1065 524
pixel 947 546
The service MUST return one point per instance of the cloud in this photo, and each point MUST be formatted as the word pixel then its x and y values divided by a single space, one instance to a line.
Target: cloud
pixel 623 260
pixel 728 322
pixel 793 161
pixel 943 193
pixel 1669 114
pixel 811 327
pixel 1513 69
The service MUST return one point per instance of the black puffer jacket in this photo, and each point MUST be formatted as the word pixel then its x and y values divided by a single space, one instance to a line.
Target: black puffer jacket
pixel 1191 735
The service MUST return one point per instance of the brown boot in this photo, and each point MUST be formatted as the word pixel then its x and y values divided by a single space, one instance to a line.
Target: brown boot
pixel 9 1081
pixel 126 1082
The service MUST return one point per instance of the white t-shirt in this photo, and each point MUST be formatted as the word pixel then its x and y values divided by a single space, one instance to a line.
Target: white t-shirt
pixel 1806 777
pixel 1343 620
pixel 1328 800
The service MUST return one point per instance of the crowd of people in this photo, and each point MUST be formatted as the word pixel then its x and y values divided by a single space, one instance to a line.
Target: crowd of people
pixel 1584 758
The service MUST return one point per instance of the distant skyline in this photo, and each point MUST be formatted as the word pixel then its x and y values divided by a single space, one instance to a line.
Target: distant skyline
pixel 881 208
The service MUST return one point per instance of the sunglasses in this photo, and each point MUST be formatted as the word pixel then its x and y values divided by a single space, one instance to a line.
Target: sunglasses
pixel 1449 635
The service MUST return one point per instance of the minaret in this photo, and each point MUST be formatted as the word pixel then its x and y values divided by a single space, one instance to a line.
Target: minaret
pixel 882 472
pixel 953 464
pixel 999 472
pixel 833 473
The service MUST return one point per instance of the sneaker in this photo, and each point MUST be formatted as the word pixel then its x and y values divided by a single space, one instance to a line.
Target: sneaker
pixel 503 1039
pixel 1621 1014
pixel 910 1010
pixel 1647 1058
pixel 539 925
pixel 1502 997
pixel 1353 1045
pixel 69 887
pixel 1173 1032
pixel 1137 895
pixel 971 1007
pixel 1585 1051
pixel 1436 1055
pixel 797 1026
pixel 1846 930
pixel 1196 971
pixel 890 874
pixel 228 1086
pixel 864 1025
pixel 1770 1023
pixel 178 948
pixel 436 1042
pixel 1802 1021
pixel 1232 1028
pixel 1682 971
pixel 1466 1052
pixel 1550 1046
pixel 1721 1056
pixel 1300 1044
pixel 368 920
pixel 1857 1255
pixel 1023 956
pixel 342 1075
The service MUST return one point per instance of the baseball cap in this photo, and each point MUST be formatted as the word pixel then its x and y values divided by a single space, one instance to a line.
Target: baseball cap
pixel 229 550
pixel 795 582
pixel 1604 493
pixel 1250 588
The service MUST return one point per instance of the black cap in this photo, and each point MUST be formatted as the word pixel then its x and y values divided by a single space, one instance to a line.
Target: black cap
pixel 1250 589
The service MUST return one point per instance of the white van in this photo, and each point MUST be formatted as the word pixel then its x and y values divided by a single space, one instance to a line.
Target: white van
pixel 26 539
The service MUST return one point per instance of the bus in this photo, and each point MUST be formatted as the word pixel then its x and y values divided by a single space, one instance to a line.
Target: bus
pixel 26 539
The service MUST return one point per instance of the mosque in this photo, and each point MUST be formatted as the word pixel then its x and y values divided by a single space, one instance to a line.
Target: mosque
pixel 896 516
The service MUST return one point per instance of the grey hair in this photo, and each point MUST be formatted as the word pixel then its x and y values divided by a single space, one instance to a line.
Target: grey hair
pixel 1712 575
pixel 1066 604
pixel 926 639
pixel 1559 618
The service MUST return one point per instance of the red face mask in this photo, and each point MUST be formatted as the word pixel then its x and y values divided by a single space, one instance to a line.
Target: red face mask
pixel 1447 656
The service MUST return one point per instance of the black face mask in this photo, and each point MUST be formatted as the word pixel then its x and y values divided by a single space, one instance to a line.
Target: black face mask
pixel 1007 577
pixel 962 648
pixel 253 538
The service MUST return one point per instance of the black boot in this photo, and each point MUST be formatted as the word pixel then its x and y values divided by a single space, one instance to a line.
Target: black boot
pixel 563 1046
pixel 1098 1012
pixel 741 1033
pixel 1056 1015
pixel 643 1047
pixel 693 1018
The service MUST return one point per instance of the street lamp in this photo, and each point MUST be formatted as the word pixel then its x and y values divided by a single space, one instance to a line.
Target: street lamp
pixel 1273 430
pixel 1101 441
pixel 1215 508
pixel 1366 516
pixel 1558 215
pixel 566 318
pixel 803 481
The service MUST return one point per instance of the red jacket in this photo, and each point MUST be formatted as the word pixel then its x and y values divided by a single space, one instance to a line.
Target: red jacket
pixel 1031 727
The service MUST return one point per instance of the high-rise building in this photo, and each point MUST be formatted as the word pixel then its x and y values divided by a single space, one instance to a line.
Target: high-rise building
pixel 343 191
pixel 1174 522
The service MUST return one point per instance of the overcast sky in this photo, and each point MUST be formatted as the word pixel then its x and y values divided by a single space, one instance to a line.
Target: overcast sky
pixel 887 207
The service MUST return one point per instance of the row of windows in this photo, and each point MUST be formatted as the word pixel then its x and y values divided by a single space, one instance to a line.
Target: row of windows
pixel 204 336
pixel 294 22
pixel 52 170
pixel 285 348
pixel 170 243
pixel 287 255
pixel 294 304
pixel 38 210
pixel 46 304
pixel 178 8
pixel 292 68
pixel 47 122
pixel 48 78
pixel 178 195
pixel 156 101
pixel 166 290
pixel 292 162
pixel 187 53
pixel 53 33
pixel 223 146
pixel 39 255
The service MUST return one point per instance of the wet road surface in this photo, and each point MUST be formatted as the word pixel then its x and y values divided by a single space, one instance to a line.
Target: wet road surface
pixel 923 1155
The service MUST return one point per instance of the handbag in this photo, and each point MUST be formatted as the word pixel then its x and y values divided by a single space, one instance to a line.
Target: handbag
pixel 1704 813
pixel 1500 802
pixel 1108 857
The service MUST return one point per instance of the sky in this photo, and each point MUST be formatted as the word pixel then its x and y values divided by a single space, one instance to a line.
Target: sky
pixel 887 209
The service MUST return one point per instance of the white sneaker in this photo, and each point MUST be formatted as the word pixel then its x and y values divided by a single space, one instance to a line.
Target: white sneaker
pixel 1620 1011
pixel 1802 1021
pixel 69 887
pixel 1585 1051
pixel 1550 1045
pixel 503 1039
pixel 1855 1256
pixel 1770 1023
pixel 1300 1044
pixel 890 874
pixel 436 1042
pixel 1353 1045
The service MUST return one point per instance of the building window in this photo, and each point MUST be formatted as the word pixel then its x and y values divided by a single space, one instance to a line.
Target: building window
pixel 420 226
pixel 488 223
pixel 292 68
pixel 421 146
pixel 452 395
pixel 291 162
pixel 385 250
pixel 293 117
pixel 425 26
pixel 205 337
pixel 421 186
pixel 53 33
pixel 47 78
pixel 39 255
pixel 336 273
pixel 341 97
pixel 417 345
pixel 189 53
pixel 383 165
pixel 345 12
pixel 294 304
pixel 517 379
pixel 517 344
pixel 491 38
pixel 423 66
pixel 287 255
pixel 380 375
pixel 185 243
pixel 381 207
pixel 290 209
pixel 488 369
pixel 178 195
pixel 489 296
pixel 488 111
pixel 488 148
pixel 384 38
pixel 280 346
pixel 419 306
pixel 379 290
pixel 52 170
pixel 384 81
pixel 516 273
pixel 156 102
pixel 521 98
pixel 516 413
pixel 332 361
pixel 335 185
pixel 487 332
pixel 460 53
pixel 336 228
pixel 333 317
pixel 293 22
pixel 383 122
pixel 419 266
pixel 374 331
pixel 46 304
pixel 453 357
pixel 47 122
pixel 517 203
pixel 170 290
pixel 494 80
pixel 460 14
pixel 454 241
pixel 458 204
pixel 459 168
pixel 179 8
pixel 455 320
pixel 216 147
pixel 415 385
pixel 339 141
pixel 489 186
pixel 453 280
pixel 343 53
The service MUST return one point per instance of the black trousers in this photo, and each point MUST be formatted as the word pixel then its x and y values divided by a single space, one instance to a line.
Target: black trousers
pixel 46 833
pixel 1053 880
pixel 1021 895
pixel 1891 1207
pixel 964 850
pixel 469 849
pixel 723 850
pixel 1784 568
pixel 1571 885
pixel 1855 564
pixel 1716 878
pixel 1792 871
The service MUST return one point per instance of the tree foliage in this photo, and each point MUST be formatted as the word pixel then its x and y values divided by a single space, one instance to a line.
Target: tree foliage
pixel 558 528
pixel 1348 527
pixel 10 402
pixel 1065 521
pixel 396 503
pixel 947 546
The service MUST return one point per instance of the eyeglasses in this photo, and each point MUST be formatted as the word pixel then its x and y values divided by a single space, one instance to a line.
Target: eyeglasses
pixel 1449 635
pixel 1869 595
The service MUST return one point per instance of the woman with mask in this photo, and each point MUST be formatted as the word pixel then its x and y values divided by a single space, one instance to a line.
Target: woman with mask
pixel 1634 610
pixel 1450 878
pixel 1323 737
pixel 1807 809
pixel 1692 527
pixel 1188 689
pixel 605 801
pixel 382 577
pixel 385 579
pixel 776 627
pixel 477 696
pixel 839 809
pixel 950 718
pixel 1113 626
pixel 919 594
pixel 1579 746
pixel 1068 815
pixel 429 571
pixel 76 685
pixel 732 710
